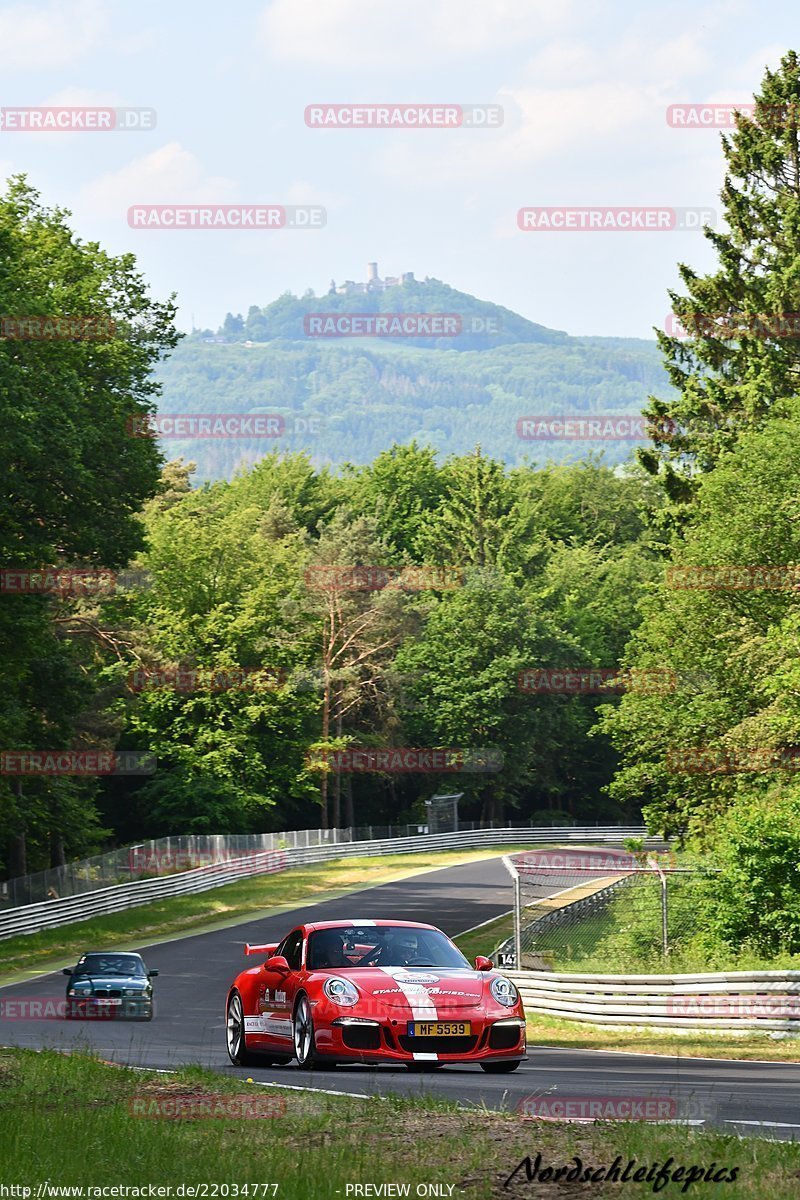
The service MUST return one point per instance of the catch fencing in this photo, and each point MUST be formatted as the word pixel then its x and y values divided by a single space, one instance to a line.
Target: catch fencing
pixel 159 856
pixel 577 910
pixel 169 855
pixel 101 900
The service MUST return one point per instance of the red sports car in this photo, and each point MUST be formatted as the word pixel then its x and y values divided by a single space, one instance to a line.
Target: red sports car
pixel 373 992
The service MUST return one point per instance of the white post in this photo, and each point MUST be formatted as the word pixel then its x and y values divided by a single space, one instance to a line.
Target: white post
pixel 514 873
pixel 652 862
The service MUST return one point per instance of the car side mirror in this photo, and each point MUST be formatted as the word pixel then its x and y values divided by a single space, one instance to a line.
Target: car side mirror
pixel 483 964
pixel 152 973
pixel 66 970
pixel 277 963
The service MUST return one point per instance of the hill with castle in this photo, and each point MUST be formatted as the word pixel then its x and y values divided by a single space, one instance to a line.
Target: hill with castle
pixel 346 398
pixel 483 323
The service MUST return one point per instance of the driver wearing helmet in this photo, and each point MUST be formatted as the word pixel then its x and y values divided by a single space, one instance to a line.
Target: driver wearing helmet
pixel 327 949
pixel 404 948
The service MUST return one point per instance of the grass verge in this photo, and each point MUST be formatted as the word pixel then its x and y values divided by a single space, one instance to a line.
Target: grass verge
pixel 228 905
pixel 485 938
pixel 76 1122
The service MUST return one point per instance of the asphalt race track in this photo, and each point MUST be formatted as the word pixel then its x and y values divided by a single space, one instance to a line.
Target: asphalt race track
pixel 195 973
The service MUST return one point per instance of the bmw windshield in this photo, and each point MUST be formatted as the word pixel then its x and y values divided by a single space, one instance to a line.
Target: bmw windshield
pixel 119 965
pixel 381 946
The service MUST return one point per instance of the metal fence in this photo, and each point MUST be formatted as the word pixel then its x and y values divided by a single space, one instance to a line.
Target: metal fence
pixel 168 855
pixel 581 910
pixel 152 859
pixel 99 900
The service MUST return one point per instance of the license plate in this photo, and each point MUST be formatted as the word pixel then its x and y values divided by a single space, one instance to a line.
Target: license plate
pixel 439 1028
pixel 100 1000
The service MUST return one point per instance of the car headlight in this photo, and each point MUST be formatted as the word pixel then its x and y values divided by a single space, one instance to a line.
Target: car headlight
pixel 341 991
pixel 81 989
pixel 504 991
pixel 133 992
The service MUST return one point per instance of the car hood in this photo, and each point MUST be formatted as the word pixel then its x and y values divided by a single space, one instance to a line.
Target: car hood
pixel 396 987
pixel 112 982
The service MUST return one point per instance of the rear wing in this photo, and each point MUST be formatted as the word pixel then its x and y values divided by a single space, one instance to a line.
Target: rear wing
pixel 270 949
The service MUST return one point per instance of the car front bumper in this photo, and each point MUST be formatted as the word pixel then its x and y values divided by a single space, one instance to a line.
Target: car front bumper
pixel 387 1040
pixel 90 1008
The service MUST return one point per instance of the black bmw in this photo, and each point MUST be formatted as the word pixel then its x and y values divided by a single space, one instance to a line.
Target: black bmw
pixel 110 985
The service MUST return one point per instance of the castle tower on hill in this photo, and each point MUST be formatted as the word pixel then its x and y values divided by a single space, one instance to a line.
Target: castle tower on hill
pixel 373 283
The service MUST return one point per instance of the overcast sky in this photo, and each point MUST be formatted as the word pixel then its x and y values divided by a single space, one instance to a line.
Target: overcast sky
pixel 584 89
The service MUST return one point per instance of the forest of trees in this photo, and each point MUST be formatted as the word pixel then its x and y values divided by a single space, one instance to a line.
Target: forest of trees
pixel 514 570
pixel 566 566
pixel 346 401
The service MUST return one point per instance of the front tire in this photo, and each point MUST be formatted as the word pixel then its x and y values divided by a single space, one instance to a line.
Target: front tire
pixel 501 1068
pixel 303 1035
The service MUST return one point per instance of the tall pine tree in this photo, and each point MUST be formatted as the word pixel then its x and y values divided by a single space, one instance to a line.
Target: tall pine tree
pixel 737 364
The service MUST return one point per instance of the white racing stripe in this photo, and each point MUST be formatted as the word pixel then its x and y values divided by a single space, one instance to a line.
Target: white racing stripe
pixel 421 1004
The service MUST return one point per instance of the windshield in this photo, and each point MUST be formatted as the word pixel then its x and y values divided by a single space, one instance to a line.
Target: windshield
pixel 110 964
pixel 381 946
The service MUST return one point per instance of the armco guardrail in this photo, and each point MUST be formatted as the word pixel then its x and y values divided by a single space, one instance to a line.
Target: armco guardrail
pixel 715 1002
pixel 50 914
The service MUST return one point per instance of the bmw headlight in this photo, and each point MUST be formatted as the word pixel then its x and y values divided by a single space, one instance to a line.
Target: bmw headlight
pixel 504 991
pixel 341 991
pixel 132 992
pixel 81 989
